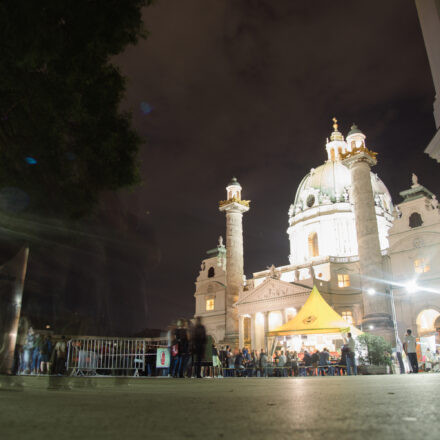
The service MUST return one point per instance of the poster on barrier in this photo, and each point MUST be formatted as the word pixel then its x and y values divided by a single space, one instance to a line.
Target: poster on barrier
pixel 163 358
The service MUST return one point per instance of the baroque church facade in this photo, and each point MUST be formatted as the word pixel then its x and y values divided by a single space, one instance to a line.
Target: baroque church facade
pixel 376 264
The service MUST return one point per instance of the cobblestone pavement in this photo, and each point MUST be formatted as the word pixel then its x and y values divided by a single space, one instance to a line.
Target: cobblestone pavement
pixel 362 407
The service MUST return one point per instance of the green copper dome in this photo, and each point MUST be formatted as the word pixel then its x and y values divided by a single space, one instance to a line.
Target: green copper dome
pixel 233 182
pixel 354 130
pixel 331 180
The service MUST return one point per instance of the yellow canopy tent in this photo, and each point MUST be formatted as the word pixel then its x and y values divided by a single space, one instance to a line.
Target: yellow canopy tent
pixel 315 317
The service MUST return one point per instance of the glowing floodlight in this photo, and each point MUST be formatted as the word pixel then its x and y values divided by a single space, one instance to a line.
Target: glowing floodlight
pixel 371 327
pixel 371 291
pixel 412 286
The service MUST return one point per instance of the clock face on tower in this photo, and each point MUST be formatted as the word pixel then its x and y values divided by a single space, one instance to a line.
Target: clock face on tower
pixel 418 242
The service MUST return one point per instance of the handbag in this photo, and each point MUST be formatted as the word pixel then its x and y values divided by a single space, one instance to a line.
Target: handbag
pixel 174 350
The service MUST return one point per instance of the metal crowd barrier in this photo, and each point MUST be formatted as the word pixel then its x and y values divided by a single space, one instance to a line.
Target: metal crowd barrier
pixel 117 356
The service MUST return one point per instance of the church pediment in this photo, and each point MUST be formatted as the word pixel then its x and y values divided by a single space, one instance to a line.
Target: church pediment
pixel 271 289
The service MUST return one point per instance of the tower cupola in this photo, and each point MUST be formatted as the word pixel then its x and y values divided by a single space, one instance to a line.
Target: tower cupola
pixel 233 190
pixel 355 138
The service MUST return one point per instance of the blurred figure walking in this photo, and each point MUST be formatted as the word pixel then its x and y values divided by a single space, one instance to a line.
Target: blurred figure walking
pixel 198 340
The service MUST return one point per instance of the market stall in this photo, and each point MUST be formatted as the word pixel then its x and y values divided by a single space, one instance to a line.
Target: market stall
pixel 316 325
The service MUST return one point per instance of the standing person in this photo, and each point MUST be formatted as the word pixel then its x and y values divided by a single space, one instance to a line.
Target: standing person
pixel 282 364
pixel 190 360
pixel 263 363
pixel 307 359
pixel 324 361
pixel 181 337
pixel 351 355
pixel 45 352
pixel 239 363
pixel 28 350
pixel 294 360
pixel 399 349
pixel 231 361
pixel 216 364
pixel 410 347
pixel 61 355
pixel 315 362
pixel 36 355
pixel 198 343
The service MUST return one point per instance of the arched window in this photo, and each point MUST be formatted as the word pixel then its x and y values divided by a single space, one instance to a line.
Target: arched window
pixel 339 152
pixel 415 220
pixel 313 245
pixel 347 316
pixel 426 321
pixel 211 272
pixel 332 154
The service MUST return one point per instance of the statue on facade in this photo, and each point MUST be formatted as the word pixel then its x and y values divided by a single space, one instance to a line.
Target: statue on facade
pixel 273 273
pixel 415 180
pixel 220 241
pixel 434 202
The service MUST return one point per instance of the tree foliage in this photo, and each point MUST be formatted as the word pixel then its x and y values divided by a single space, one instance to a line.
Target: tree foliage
pixel 373 350
pixel 63 138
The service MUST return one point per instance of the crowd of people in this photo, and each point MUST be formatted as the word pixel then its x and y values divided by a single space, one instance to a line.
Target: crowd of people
pixel 283 363
pixel 193 354
pixel 188 350
pixel 39 355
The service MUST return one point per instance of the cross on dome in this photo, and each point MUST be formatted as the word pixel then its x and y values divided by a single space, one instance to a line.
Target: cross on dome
pixel 336 135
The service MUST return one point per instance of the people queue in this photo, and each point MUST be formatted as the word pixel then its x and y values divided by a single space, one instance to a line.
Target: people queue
pixel 39 355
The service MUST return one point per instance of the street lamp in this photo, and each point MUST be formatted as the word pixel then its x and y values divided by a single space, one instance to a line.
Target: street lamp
pixel 371 291
pixel 411 286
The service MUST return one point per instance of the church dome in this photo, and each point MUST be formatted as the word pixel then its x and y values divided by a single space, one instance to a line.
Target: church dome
pixel 330 183
pixel 322 223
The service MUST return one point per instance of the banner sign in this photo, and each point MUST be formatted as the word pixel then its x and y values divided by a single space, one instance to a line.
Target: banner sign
pixel 163 358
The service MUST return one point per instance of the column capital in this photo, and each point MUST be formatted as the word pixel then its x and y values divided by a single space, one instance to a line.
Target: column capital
pixel 234 205
pixel 361 154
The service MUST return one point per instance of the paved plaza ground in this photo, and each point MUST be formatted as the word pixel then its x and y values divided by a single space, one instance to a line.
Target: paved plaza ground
pixel 362 407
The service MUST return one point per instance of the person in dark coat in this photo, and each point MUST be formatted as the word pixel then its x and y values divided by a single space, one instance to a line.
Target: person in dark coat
pixel 198 341
pixel 181 337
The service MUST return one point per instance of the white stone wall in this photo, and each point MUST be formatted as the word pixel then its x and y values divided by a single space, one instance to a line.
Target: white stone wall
pixel 406 245
pixel 210 287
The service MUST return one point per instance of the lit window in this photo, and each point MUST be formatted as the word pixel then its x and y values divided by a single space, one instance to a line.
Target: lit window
pixel 421 265
pixel 347 316
pixel 313 245
pixel 210 304
pixel 343 280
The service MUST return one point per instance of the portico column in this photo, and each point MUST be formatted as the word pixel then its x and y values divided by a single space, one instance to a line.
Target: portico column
pixel 253 335
pixel 266 329
pixel 240 331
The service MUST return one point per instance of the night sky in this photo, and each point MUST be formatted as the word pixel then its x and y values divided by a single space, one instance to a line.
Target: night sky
pixel 247 88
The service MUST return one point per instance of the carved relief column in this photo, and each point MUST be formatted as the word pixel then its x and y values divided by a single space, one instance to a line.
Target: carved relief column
pixel 377 306
pixel 234 208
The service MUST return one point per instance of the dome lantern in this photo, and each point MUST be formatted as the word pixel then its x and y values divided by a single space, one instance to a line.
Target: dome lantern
pixel 337 145
pixel 336 135
pixel 355 138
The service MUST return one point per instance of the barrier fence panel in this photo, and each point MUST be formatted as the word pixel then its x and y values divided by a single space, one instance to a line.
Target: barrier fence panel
pixel 115 356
